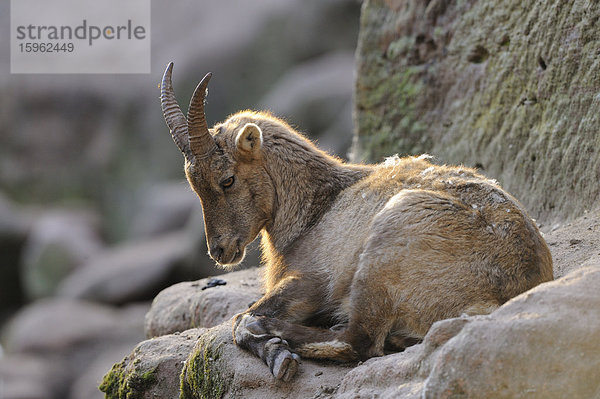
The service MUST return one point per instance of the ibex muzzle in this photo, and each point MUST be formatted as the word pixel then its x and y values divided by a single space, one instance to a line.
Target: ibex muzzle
pixel 359 258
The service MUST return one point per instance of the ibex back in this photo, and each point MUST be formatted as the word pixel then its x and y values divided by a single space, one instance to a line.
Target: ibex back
pixel 360 259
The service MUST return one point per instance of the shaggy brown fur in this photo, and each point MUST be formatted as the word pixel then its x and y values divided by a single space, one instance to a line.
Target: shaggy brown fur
pixel 360 259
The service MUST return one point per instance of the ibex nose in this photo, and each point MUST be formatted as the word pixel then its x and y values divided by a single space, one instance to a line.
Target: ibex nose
pixel 226 251
pixel 216 251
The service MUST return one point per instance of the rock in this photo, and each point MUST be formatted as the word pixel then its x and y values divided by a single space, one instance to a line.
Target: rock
pixel 30 377
pixel 488 85
pixel 59 242
pixel 58 325
pixel 536 344
pixel 132 271
pixel 164 207
pixel 585 231
pixel 52 342
pixel 217 368
pixel 87 381
pixel 152 370
pixel 513 345
pixel 187 305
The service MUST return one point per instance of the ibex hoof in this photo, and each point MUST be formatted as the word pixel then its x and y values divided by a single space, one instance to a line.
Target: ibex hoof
pixel 282 362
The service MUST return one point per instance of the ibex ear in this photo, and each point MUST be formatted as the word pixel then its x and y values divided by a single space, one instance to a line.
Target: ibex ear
pixel 249 139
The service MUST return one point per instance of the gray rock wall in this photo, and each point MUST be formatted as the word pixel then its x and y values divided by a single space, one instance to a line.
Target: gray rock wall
pixel 510 86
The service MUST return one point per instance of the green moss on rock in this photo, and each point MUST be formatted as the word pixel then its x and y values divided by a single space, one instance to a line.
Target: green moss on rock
pixel 201 377
pixel 511 87
pixel 401 129
pixel 127 382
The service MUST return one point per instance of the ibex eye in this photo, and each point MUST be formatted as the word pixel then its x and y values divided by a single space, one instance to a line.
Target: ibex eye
pixel 227 182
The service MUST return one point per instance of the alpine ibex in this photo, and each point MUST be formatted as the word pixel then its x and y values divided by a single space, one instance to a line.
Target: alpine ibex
pixel 360 259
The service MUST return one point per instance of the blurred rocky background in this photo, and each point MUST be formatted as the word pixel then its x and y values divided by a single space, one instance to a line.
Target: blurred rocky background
pixel 95 215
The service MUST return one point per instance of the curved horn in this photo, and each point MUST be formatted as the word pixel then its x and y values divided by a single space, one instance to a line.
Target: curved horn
pixel 175 119
pixel 201 142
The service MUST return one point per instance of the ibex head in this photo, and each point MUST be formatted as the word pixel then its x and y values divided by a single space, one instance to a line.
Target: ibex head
pixel 223 167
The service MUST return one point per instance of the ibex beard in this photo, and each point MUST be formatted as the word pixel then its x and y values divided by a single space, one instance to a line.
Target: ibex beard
pixel 360 260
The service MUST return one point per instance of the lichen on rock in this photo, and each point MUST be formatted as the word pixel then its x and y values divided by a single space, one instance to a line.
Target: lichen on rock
pixel 152 369
pixel 123 382
pixel 201 377
pixel 511 87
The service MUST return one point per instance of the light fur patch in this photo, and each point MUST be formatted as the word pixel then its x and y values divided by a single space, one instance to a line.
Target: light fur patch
pixel 481 308
pixel 335 349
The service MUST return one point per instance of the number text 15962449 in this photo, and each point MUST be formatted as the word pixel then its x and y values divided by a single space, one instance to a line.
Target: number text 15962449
pixel 46 47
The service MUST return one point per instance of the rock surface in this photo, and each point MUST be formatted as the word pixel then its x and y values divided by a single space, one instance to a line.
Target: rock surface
pixel 575 244
pixel 31 377
pixel 52 342
pixel 195 304
pixel 152 370
pixel 511 87
pixel 217 368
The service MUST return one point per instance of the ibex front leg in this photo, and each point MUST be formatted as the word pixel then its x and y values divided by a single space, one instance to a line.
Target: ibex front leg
pixel 273 350
pixel 287 301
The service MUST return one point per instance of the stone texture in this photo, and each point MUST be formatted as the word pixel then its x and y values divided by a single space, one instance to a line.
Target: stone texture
pixel 217 368
pixel 152 370
pixel 511 87
pixel 186 305
pixel 575 244
pixel 86 382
